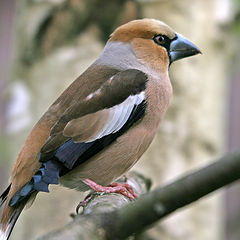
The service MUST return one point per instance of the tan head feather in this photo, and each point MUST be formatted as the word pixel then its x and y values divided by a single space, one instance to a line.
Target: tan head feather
pixel 142 28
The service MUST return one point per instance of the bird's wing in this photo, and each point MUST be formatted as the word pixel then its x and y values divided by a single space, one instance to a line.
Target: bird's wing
pixel 113 92
pixel 102 112
pixel 87 127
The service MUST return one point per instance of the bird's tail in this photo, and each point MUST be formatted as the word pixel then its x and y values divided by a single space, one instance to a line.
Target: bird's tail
pixel 7 227
pixel 9 216
pixel 4 195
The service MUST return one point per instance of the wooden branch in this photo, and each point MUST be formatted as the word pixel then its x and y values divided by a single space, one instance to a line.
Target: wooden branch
pixel 137 216
pixel 87 226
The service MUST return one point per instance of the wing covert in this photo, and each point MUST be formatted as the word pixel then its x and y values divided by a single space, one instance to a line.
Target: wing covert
pixel 102 112
pixel 113 92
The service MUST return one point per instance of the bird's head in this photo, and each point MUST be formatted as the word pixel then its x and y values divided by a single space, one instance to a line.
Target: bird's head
pixel 154 42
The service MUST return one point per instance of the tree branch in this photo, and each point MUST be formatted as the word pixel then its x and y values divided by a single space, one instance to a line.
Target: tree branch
pixel 88 225
pixel 137 216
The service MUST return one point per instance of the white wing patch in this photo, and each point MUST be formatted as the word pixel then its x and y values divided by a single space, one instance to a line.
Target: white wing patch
pixel 118 116
pixel 3 235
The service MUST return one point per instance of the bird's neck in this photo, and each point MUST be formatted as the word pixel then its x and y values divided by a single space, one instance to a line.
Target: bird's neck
pixel 118 55
pixel 121 56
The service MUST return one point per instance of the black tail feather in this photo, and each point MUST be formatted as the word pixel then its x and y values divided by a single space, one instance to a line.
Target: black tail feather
pixel 4 195
pixel 10 225
pixel 14 219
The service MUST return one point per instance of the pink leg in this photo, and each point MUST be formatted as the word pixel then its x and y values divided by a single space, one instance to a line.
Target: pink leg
pixel 126 186
pixel 124 189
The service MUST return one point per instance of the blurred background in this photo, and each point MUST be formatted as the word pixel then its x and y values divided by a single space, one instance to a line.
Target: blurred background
pixel 46 44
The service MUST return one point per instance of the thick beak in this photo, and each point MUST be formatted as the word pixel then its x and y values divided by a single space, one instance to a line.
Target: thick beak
pixel 181 48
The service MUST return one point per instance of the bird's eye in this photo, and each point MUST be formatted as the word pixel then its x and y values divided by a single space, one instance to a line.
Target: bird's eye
pixel 160 39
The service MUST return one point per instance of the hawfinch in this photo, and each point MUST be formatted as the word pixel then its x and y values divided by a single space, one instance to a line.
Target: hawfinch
pixel 103 122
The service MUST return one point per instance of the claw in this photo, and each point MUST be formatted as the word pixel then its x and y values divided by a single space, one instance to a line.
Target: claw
pixel 84 202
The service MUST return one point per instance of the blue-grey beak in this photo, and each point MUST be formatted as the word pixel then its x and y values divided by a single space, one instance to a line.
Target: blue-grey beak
pixel 181 48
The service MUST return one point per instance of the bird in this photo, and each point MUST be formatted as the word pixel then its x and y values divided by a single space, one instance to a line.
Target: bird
pixel 101 125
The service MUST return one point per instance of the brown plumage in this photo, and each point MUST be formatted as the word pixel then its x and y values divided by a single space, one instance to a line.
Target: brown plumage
pixel 104 121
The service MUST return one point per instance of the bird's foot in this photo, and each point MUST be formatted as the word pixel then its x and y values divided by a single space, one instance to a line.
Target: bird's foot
pixel 122 188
